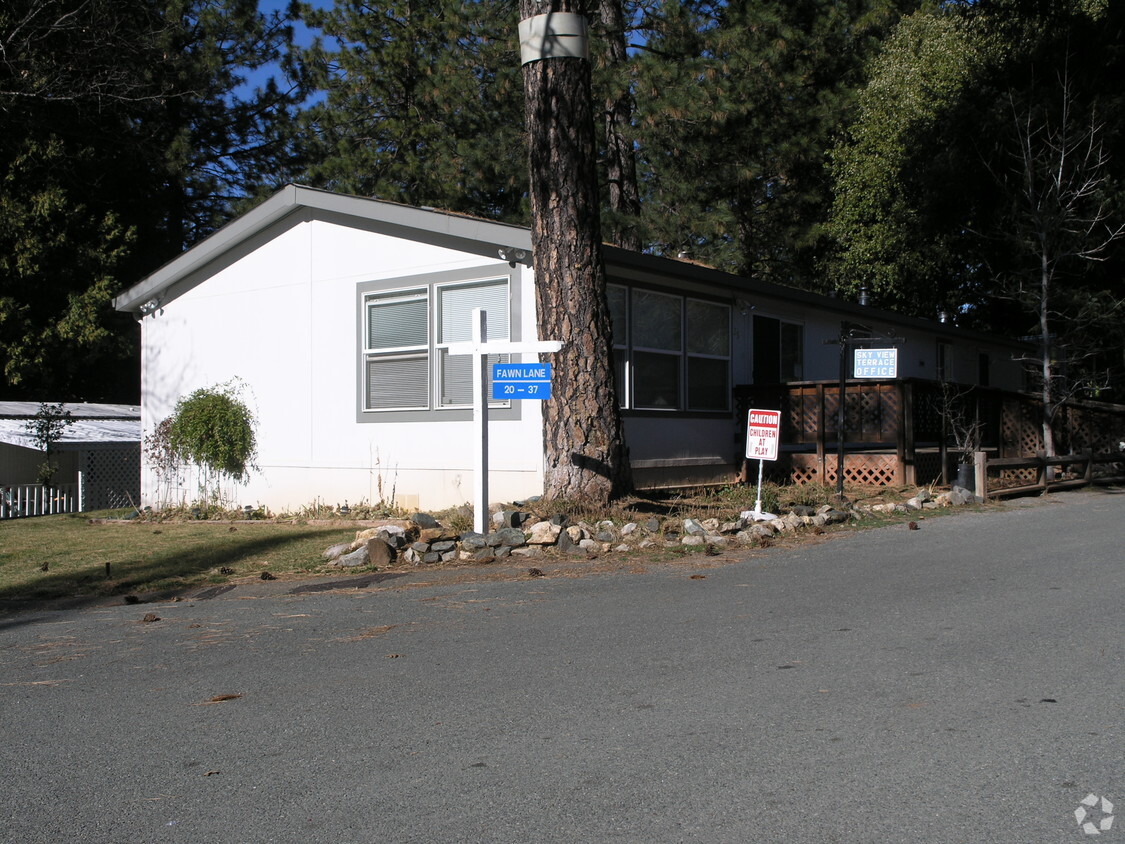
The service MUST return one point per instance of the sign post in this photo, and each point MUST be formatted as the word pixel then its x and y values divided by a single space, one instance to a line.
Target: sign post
pixel 872 363
pixel 763 432
pixel 480 347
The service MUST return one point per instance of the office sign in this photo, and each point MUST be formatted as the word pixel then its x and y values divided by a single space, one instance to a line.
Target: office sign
pixel 875 363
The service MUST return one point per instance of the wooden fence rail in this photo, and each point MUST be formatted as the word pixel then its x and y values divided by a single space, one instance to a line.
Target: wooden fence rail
pixel 897 432
pixel 21 500
pixel 1000 476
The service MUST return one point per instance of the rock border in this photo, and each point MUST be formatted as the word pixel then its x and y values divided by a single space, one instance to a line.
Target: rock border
pixel 423 540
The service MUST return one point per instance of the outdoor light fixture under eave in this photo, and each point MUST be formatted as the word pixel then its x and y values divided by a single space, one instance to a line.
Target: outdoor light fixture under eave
pixel 513 255
pixel 149 307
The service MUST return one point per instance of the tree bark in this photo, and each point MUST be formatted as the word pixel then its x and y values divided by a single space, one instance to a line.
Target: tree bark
pixel 583 442
pixel 620 159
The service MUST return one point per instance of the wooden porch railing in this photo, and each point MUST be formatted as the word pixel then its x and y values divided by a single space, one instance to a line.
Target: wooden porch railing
pixel 896 432
pixel 1000 476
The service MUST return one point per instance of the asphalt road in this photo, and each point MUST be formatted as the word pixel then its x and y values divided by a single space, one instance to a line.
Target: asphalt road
pixel 958 683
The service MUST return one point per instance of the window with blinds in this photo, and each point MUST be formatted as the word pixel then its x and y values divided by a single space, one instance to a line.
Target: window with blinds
pixel 454 311
pixel 397 353
pixel 404 358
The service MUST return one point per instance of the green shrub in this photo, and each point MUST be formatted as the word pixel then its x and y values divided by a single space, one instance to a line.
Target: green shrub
pixel 214 429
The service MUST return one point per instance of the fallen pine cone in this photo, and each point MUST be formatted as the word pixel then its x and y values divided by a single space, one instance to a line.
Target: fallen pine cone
pixel 151 616
pixel 267 576
pixel 132 599
pixel 534 573
pixel 913 526
pixel 226 570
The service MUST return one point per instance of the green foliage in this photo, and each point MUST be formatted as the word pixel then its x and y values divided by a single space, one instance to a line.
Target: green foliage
pixel 890 174
pixel 422 104
pixel 929 210
pixel 214 429
pixel 737 104
pixel 46 428
pixel 126 138
pixel 58 260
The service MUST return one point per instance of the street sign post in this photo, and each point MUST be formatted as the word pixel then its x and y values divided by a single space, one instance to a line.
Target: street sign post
pixel 480 348
pixel 763 432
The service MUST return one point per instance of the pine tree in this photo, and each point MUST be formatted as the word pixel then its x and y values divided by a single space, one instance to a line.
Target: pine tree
pixel 583 440
pixel 737 106
pixel 125 140
pixel 421 104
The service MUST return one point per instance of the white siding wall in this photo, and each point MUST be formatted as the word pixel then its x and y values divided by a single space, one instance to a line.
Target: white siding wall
pixel 283 320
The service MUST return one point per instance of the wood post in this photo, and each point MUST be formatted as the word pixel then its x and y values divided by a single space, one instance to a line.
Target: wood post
pixel 980 472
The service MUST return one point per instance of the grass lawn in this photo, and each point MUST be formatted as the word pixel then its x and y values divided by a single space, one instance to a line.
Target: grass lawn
pixel 50 557
pixel 147 556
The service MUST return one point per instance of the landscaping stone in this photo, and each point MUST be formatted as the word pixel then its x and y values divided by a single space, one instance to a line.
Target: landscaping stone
pixel 380 552
pixel 512 537
pixel 544 533
pixel 337 550
pixel 435 534
pixel 358 557
pixel 693 528
pixel 473 541
pixel 434 543
pixel 425 520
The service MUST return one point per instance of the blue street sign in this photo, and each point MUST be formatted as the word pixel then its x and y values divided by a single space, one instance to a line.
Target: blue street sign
pixel 521 381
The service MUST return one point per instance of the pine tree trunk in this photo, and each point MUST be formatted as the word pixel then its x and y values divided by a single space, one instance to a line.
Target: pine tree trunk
pixel 583 442
pixel 620 159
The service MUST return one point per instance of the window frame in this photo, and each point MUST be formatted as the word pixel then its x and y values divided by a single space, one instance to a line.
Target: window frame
pixel 431 285
pixel 416 351
pixel 625 351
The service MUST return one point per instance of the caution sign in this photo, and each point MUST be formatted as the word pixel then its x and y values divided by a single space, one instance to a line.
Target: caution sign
pixel 763 430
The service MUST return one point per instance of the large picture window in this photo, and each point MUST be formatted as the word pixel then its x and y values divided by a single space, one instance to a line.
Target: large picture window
pixel 670 352
pixel 406 335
